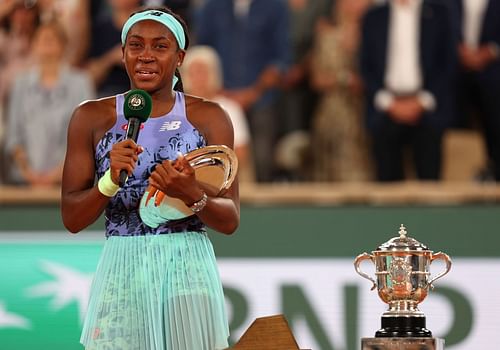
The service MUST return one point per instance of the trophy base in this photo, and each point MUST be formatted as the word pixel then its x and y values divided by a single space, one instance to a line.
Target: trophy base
pixel 403 327
pixel 402 344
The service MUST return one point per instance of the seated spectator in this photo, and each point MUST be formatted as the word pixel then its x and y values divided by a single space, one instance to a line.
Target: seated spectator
pixel 40 107
pixel 202 76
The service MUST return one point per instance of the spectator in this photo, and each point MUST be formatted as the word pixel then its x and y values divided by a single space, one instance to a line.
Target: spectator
pixel 479 79
pixel 202 76
pixel 251 37
pixel 339 140
pixel 407 63
pixel 18 22
pixel 298 99
pixel 74 16
pixel 40 108
pixel 105 64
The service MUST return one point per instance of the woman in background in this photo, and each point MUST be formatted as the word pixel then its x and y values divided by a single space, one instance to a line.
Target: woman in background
pixel 40 106
pixel 339 142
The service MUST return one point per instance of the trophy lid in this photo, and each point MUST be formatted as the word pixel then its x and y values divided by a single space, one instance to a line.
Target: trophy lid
pixel 403 242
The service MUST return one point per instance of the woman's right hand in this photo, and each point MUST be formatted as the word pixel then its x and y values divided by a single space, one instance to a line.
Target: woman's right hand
pixel 123 156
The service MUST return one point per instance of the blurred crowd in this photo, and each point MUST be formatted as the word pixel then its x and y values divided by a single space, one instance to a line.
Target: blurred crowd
pixel 317 90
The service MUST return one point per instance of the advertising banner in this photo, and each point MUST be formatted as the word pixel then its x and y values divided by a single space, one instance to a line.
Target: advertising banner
pixel 44 287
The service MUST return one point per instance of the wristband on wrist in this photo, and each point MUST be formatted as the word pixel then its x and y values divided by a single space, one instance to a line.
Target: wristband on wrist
pixel 106 185
pixel 199 205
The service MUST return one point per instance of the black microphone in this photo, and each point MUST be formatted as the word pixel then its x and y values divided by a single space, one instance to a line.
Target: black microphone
pixel 136 109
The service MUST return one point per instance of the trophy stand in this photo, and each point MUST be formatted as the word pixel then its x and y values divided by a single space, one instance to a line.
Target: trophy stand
pixel 402 344
pixel 403 281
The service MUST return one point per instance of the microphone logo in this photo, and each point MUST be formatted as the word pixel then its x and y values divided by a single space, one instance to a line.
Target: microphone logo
pixel 136 102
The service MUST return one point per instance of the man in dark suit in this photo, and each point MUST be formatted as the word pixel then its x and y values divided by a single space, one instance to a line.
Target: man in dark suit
pixel 407 64
pixel 479 78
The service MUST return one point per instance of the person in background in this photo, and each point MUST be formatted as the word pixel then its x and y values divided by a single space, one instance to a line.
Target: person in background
pixel 339 144
pixel 104 63
pixel 479 78
pixel 408 61
pixel 252 39
pixel 202 76
pixel 40 106
pixel 74 16
pixel 157 285
pixel 18 22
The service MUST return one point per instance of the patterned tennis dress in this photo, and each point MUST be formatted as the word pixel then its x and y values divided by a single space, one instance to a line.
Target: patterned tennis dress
pixel 154 288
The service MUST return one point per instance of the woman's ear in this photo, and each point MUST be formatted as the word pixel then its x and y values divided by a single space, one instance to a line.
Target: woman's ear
pixel 182 54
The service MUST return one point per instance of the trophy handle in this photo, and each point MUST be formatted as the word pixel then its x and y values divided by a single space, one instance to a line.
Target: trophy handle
pixel 446 258
pixel 357 261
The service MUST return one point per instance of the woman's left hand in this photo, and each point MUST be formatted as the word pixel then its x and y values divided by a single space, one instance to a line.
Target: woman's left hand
pixel 176 179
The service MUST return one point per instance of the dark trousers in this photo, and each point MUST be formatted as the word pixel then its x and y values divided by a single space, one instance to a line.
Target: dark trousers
pixel 390 142
pixel 479 101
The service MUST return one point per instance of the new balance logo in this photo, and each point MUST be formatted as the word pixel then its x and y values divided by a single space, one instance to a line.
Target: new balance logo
pixel 174 125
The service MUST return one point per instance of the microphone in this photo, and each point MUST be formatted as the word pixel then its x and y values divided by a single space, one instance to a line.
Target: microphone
pixel 136 109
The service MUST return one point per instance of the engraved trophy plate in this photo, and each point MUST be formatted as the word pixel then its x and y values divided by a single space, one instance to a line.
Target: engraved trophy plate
pixel 403 280
pixel 402 344
pixel 215 169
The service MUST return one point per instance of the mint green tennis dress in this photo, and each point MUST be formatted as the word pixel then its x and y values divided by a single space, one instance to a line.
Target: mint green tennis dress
pixel 154 288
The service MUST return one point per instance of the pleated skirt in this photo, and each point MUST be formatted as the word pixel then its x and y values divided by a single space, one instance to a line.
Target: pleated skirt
pixel 156 292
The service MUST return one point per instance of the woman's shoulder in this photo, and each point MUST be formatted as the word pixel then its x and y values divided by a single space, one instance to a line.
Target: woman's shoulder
pixel 208 117
pixel 199 107
pixel 96 110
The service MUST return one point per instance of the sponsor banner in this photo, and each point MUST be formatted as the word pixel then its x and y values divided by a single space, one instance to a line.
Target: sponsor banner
pixel 44 289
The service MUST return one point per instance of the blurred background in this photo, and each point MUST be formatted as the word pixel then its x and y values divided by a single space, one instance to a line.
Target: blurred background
pixel 351 118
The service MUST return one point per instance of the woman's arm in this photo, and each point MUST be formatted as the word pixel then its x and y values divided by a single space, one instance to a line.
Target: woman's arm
pixel 221 213
pixel 81 201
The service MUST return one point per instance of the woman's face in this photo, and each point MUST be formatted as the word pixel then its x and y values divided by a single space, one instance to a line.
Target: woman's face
pixel 151 55
pixel 48 45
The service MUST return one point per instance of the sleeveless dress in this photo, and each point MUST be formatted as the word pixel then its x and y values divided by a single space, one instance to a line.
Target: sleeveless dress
pixel 154 288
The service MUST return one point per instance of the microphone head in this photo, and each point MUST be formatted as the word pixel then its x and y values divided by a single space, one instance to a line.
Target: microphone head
pixel 138 104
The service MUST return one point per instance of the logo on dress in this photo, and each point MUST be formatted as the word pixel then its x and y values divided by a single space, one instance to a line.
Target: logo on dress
pixel 171 125
pixel 125 127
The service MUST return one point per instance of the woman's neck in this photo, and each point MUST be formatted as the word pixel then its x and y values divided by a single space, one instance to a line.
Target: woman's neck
pixel 49 73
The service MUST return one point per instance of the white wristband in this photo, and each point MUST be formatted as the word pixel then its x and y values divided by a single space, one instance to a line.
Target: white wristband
pixel 106 185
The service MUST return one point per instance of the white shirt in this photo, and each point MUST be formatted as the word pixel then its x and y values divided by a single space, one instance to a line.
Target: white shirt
pixel 473 16
pixel 238 119
pixel 403 74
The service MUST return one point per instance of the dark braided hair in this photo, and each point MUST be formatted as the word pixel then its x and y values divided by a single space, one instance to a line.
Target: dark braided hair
pixel 178 86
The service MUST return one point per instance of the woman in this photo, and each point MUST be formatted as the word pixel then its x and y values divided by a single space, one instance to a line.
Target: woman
pixel 155 288
pixel 40 106
pixel 337 128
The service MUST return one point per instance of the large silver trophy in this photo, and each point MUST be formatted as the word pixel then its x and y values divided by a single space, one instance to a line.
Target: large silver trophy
pixel 403 281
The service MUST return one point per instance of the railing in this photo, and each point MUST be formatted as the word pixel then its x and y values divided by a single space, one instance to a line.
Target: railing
pixel 409 192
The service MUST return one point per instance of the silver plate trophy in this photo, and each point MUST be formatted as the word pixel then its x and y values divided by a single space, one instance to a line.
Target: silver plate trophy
pixel 403 280
pixel 215 169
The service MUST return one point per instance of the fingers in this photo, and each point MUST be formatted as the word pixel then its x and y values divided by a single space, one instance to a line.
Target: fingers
pixel 124 156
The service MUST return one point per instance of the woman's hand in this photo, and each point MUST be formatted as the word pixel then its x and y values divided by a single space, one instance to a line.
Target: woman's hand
pixel 176 179
pixel 124 156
